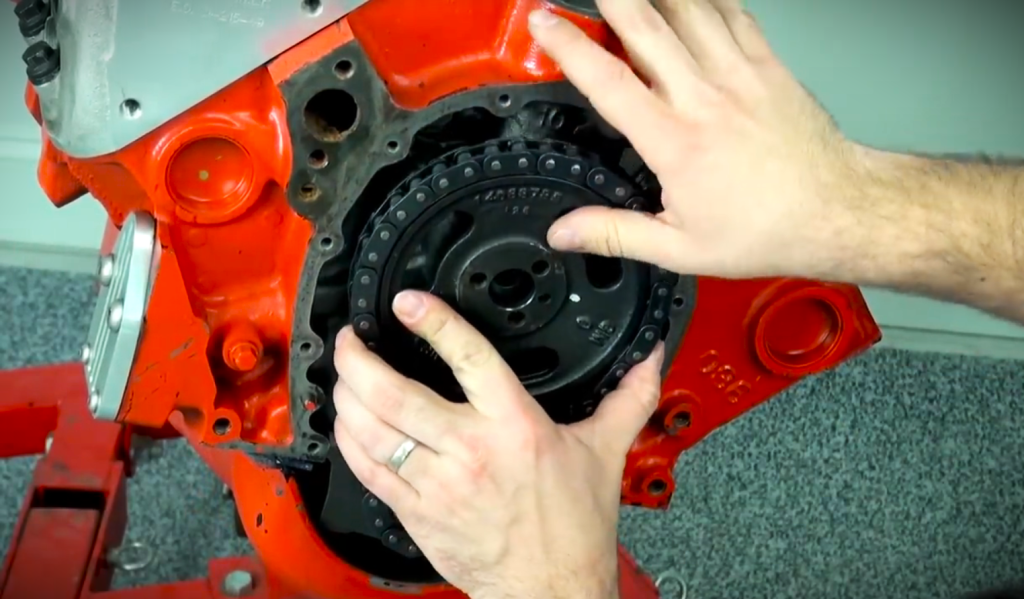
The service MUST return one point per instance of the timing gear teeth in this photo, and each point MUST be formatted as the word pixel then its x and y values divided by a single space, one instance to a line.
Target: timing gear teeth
pixel 463 167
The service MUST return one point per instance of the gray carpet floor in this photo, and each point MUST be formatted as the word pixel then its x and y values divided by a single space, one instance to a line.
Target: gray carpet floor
pixel 896 475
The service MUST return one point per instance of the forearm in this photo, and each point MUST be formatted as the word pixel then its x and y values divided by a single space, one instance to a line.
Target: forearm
pixel 947 228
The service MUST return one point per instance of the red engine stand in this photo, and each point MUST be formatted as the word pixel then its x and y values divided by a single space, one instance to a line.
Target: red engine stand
pixel 75 510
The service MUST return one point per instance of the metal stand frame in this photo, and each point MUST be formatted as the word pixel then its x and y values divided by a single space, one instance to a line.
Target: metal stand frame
pixel 73 519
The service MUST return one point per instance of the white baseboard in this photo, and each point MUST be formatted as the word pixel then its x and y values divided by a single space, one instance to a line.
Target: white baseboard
pixel 84 261
pixel 42 257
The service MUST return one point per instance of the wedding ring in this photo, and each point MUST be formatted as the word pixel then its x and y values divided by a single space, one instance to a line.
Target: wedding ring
pixel 402 454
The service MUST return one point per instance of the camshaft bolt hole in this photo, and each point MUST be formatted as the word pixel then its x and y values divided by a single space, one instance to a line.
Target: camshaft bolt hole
pixel 516 319
pixel 393 146
pixel 540 268
pixel 544 298
pixel 511 288
pixel 678 301
pixel 504 100
pixel 478 280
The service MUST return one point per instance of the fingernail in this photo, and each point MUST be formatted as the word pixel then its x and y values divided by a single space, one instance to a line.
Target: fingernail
pixel 409 305
pixel 542 18
pixel 565 239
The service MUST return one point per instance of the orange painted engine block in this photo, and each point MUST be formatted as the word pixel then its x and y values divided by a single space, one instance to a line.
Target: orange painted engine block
pixel 262 197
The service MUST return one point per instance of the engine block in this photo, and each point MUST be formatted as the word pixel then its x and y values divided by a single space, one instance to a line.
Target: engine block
pixel 368 148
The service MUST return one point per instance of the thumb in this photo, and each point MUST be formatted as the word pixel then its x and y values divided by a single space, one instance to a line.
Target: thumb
pixel 624 412
pixel 618 233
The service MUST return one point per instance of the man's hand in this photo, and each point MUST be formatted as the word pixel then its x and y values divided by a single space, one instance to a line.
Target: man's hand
pixel 502 501
pixel 749 162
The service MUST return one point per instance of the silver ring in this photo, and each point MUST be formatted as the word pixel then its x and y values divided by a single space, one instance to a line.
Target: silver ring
pixel 402 454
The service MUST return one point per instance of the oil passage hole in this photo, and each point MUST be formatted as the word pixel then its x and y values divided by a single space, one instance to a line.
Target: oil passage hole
pixel 602 272
pixel 344 69
pixel 511 289
pixel 131 109
pixel 312 7
pixel 331 115
pixel 317 159
pixel 221 427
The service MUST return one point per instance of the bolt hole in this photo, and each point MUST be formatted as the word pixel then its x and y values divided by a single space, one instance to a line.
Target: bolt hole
pixel 504 100
pixel 306 347
pixel 393 146
pixel 540 268
pixel 544 298
pixel 326 243
pixel 313 447
pixel 516 319
pixel 309 192
pixel 657 487
pixel 331 114
pixel 681 420
pixel 478 280
pixel 344 69
pixel 131 109
pixel 221 427
pixel 678 301
pixel 317 159
pixel 312 7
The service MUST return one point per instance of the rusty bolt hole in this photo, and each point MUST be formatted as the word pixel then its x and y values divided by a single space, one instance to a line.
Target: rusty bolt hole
pixel 309 192
pixel 221 427
pixel 657 487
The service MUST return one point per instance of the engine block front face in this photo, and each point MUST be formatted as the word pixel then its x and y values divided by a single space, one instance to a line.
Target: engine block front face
pixel 423 145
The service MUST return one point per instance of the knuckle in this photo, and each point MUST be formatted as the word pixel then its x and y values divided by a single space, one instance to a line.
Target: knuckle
pixel 473 356
pixel 472 454
pixel 387 398
pixel 612 241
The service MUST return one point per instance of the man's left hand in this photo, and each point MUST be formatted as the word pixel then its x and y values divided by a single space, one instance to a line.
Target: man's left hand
pixel 500 499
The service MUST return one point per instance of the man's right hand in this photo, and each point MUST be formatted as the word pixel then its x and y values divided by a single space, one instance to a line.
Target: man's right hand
pixel 757 179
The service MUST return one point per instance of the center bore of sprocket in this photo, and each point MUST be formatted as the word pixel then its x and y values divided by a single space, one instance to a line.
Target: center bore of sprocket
pixel 471 228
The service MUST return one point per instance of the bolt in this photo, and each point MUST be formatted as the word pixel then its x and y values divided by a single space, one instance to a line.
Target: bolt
pixel 86 353
pixel 238 583
pixel 94 402
pixel 523 163
pixel 115 316
pixel 106 270
pixel 32 16
pixel 42 63
pixel 244 356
